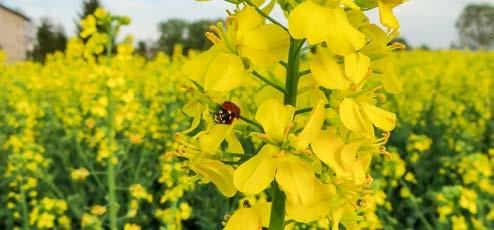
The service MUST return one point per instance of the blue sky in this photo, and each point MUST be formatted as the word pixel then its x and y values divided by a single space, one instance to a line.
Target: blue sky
pixel 428 22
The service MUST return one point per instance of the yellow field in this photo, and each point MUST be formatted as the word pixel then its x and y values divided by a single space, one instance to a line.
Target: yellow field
pixel 54 147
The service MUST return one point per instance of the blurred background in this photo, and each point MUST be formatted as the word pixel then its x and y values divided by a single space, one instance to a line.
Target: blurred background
pixel 43 26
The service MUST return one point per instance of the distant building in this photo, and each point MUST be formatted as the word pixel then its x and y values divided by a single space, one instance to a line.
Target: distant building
pixel 15 34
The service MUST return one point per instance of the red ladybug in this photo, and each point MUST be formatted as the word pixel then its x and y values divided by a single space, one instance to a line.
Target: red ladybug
pixel 227 112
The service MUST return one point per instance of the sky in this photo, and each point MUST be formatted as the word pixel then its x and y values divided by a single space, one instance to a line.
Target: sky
pixel 430 22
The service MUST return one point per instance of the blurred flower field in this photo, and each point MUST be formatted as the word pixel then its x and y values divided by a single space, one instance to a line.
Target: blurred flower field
pixel 101 138
pixel 53 145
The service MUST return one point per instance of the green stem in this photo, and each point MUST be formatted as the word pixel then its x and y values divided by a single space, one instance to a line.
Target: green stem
pixel 25 221
pixel 413 201
pixel 277 219
pixel 112 200
pixel 252 122
pixel 265 80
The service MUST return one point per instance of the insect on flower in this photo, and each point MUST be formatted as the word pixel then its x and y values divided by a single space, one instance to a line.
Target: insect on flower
pixel 227 112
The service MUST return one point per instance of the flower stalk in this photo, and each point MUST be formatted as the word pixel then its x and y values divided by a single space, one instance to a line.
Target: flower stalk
pixel 112 200
pixel 277 219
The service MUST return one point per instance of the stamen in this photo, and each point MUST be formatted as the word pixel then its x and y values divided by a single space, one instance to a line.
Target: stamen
pixel 212 37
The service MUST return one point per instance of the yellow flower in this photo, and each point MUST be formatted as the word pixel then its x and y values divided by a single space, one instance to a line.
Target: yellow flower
pixel 459 223
pixel 45 220
pixel 98 210
pixel 129 226
pixel 341 157
pixel 79 174
pixel 221 68
pixel 250 218
pixel 360 117
pixel 295 177
pixel 319 23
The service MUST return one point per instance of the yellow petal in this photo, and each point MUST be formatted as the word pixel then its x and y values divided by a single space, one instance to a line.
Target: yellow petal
pixel 275 118
pixel 247 20
pixel 225 73
pixel 244 219
pixel 312 126
pixel 265 46
pixel 388 19
pixel 388 78
pixel 318 206
pixel 351 117
pixel 296 179
pixel 210 140
pixel 311 21
pixel 327 147
pixel 234 145
pixel 196 68
pixel 360 168
pixel 258 172
pixel 357 67
pixel 381 118
pixel 264 210
pixel 348 156
pixel 327 71
pixel 217 172
pixel 343 38
pixel 193 109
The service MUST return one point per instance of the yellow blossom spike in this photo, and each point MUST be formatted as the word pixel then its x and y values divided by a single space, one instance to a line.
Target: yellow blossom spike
pixel 257 173
pixel 351 116
pixel 275 118
pixel 327 72
pixel 381 118
pixel 217 172
pixel 312 126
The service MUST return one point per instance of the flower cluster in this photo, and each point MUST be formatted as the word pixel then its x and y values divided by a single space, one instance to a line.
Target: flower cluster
pixel 316 125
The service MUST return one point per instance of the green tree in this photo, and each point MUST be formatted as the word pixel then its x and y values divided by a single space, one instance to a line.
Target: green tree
pixel 49 38
pixel 172 32
pixel 188 34
pixel 476 26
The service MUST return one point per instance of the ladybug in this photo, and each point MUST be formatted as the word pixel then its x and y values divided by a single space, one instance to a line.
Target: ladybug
pixel 227 112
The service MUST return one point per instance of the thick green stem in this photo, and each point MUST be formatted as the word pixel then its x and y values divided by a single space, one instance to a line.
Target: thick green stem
pixel 277 219
pixel 292 75
pixel 112 199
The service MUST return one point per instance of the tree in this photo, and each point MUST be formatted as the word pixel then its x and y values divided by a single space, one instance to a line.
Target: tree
pixel 173 32
pixel 178 31
pixel 49 38
pixel 476 26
